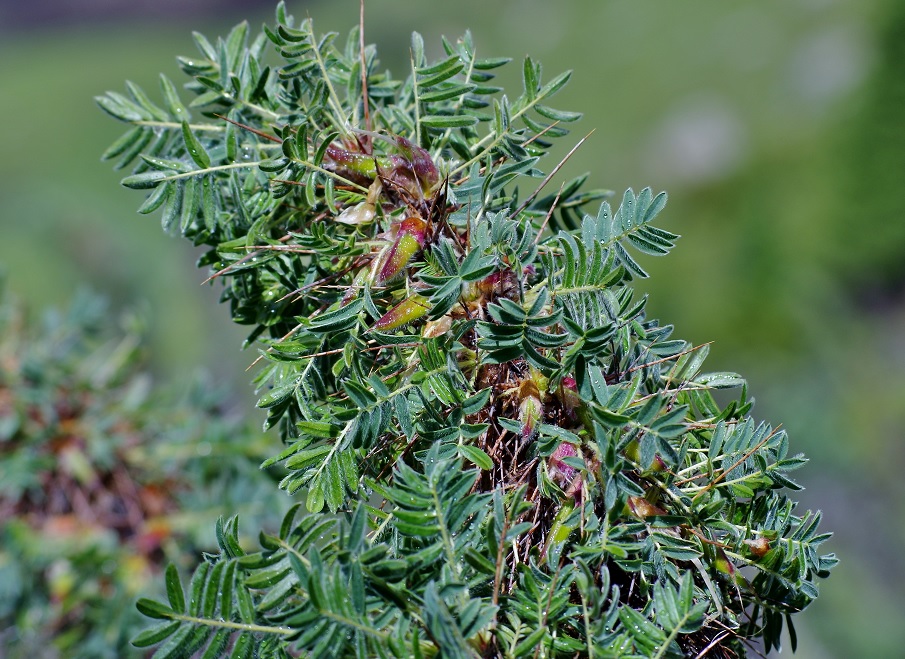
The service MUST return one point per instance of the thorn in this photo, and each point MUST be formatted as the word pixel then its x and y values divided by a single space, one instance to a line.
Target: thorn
pixel 549 214
pixel 551 175
pixel 250 129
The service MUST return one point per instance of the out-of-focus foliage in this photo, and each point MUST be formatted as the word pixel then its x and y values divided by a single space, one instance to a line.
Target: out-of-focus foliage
pixel 103 478
pixel 873 226
pixel 385 240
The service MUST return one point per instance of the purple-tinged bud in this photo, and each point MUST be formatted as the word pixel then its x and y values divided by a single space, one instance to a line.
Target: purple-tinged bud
pixel 410 309
pixel 411 168
pixel 501 283
pixel 725 566
pixel 722 563
pixel 421 163
pixel 356 167
pixel 562 473
pixel 411 235
pixel 568 396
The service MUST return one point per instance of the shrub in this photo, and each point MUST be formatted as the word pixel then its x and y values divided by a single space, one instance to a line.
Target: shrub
pixel 500 454
pixel 103 479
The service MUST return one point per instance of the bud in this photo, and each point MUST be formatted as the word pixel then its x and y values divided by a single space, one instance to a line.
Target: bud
pixel 530 409
pixel 410 309
pixel 723 565
pixel 530 412
pixel 562 473
pixel 563 450
pixel 498 284
pixel 420 163
pixel 356 167
pixel 569 398
pixel 633 453
pixel 412 169
pixel 411 235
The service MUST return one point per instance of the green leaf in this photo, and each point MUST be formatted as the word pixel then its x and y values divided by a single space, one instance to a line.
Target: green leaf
pixel 174 589
pixel 489 63
pixel 145 180
pixel 445 93
pixel 119 107
pixel 123 143
pixel 341 319
pixel 171 99
pixel 194 147
pixel 277 395
pixel 448 121
pixel 554 85
pixel 529 645
pixel 476 456
pixel 154 200
pixel 557 115
pixel 155 635
pixel 153 609
pixel 722 380
pixel 315 500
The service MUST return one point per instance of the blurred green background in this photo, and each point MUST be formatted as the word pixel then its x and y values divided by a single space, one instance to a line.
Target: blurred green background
pixel 777 127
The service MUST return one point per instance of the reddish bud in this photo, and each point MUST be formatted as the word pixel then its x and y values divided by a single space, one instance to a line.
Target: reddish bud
pixel 356 167
pixel 500 284
pixel 722 563
pixel 568 396
pixel 420 163
pixel 357 283
pixel 410 309
pixel 563 473
pixel 725 566
pixel 411 235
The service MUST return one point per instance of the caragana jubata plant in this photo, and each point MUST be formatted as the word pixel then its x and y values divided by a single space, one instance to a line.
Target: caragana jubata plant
pixel 496 452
